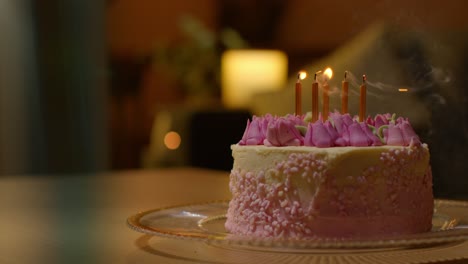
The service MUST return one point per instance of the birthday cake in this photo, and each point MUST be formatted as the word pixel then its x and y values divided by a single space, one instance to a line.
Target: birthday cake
pixel 339 178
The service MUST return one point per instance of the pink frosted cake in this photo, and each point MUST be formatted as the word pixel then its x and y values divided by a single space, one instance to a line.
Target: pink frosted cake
pixel 340 179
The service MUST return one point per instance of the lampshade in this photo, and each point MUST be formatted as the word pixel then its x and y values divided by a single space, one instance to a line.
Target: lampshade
pixel 247 72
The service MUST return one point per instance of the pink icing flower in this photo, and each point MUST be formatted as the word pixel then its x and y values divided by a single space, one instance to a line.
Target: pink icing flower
pixel 308 136
pixel 408 133
pixel 253 134
pixel 295 119
pixel 357 137
pixel 347 120
pixel 388 116
pixel 380 120
pixel 337 119
pixel 282 132
pixel 375 141
pixel 331 130
pixel 394 136
pixel 343 140
pixel 401 120
pixel 264 123
pixel 317 135
pixel 339 130
pixel 370 121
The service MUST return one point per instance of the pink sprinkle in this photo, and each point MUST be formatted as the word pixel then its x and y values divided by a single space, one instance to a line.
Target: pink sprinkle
pixel 293 210
pixel 284 203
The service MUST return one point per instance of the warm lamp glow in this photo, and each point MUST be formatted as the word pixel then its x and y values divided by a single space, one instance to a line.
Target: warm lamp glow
pixel 403 90
pixel 328 72
pixel 247 72
pixel 172 140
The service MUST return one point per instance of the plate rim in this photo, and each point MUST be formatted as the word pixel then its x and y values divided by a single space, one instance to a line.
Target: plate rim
pixel 443 236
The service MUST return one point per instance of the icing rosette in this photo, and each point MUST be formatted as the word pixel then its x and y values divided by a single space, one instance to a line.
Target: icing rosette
pixel 408 133
pixel 317 135
pixel 254 133
pixel 357 137
pixel 369 130
pixel 394 137
pixel 283 132
pixel 338 131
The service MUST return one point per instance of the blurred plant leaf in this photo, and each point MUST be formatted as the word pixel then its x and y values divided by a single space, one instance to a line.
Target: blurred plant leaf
pixel 196 62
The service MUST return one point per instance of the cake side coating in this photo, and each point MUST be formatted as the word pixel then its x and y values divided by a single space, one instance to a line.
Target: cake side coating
pixel 302 191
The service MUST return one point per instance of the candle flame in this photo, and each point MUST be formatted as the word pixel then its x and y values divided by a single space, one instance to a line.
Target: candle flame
pixel 403 90
pixel 302 75
pixel 328 72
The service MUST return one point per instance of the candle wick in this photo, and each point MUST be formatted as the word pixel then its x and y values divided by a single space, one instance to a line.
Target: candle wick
pixel 299 77
pixel 364 78
pixel 345 73
pixel 315 75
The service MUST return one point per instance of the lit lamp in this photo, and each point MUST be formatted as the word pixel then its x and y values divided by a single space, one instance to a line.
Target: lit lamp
pixel 248 72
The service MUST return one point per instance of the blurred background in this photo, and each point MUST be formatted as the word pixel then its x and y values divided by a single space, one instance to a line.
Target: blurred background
pixel 97 85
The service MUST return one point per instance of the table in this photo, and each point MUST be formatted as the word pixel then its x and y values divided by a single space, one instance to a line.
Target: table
pixel 82 218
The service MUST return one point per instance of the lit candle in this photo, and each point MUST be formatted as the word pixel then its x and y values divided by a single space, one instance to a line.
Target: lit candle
pixel 344 95
pixel 298 95
pixel 362 101
pixel 315 99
